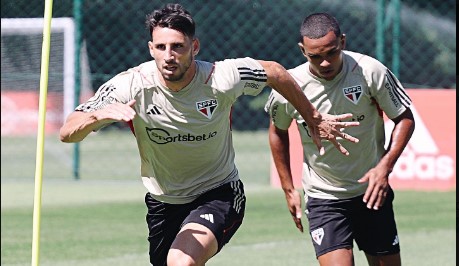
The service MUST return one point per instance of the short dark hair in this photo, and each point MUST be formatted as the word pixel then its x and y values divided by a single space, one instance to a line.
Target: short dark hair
pixel 317 25
pixel 172 16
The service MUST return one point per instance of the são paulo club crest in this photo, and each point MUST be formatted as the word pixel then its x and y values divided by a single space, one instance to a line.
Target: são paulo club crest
pixel 317 235
pixel 207 107
pixel 353 93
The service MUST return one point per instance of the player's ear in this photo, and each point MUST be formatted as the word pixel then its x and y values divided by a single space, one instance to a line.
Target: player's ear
pixel 150 48
pixel 196 46
pixel 300 44
pixel 343 41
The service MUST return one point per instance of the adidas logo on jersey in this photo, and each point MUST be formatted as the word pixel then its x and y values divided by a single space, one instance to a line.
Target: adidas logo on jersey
pixel 153 110
pixel 208 217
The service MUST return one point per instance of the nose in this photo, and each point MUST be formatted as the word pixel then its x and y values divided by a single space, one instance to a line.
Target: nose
pixel 169 55
pixel 325 63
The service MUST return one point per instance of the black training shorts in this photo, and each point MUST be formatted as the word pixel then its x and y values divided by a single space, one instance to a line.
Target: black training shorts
pixel 220 209
pixel 335 224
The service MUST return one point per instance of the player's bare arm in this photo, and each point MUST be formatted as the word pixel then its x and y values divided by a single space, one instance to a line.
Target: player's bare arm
pixel 378 177
pixel 322 126
pixel 79 124
pixel 279 142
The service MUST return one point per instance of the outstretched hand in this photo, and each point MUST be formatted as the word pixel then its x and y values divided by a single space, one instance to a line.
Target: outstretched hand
pixel 330 127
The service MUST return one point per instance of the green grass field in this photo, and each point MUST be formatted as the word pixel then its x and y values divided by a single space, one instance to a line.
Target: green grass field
pixel 100 219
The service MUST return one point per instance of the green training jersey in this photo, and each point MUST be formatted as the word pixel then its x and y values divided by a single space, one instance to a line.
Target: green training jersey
pixel 365 88
pixel 184 138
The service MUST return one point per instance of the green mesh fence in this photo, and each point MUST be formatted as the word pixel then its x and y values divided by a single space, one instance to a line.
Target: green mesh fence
pixel 115 38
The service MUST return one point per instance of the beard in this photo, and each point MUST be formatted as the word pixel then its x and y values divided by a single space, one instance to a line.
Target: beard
pixel 176 77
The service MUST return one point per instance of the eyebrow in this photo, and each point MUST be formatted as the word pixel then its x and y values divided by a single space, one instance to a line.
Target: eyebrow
pixel 335 49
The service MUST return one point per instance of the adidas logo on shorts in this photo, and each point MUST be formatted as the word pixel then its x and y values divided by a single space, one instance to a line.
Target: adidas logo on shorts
pixel 208 217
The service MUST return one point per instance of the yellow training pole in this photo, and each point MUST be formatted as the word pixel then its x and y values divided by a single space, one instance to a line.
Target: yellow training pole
pixel 41 130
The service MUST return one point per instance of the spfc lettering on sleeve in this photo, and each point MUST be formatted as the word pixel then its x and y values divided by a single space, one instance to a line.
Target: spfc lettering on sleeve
pixel 353 94
pixel 207 107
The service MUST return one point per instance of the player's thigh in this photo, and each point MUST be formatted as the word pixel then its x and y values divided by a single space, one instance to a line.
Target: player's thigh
pixel 193 245
pixel 164 222
pixel 216 216
pixel 329 225
pixel 341 257
pixel 383 260
pixel 375 230
pixel 221 210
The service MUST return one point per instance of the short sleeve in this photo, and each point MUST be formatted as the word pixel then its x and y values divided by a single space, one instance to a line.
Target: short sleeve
pixel 277 108
pixel 240 76
pixel 390 94
pixel 114 90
